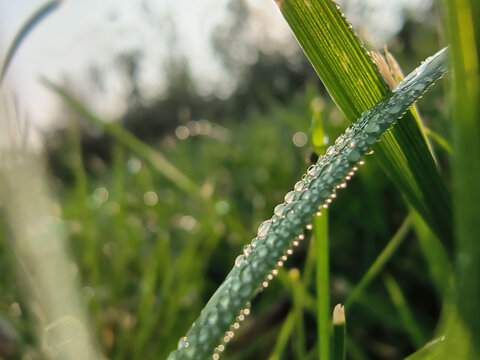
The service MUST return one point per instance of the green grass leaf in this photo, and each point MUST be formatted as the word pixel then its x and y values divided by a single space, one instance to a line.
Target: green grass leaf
pixel 465 38
pixel 24 30
pixel 277 236
pixel 355 85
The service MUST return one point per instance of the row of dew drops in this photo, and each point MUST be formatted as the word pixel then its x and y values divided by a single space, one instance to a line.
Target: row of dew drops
pixel 365 134
pixel 281 211
pixel 330 169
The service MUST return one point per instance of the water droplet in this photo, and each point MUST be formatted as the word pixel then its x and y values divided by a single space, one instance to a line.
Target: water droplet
pixel 370 152
pixel 289 197
pixel 263 228
pixel 262 251
pixel 329 201
pixel 312 169
pixel 301 237
pixel 318 213
pixel 265 284
pixel 212 316
pixel 215 356
pixel 309 227
pixel 289 252
pixel 354 155
pixel 284 257
pixel 361 162
pixel 394 108
pixel 299 186
pixel 330 151
pixel 247 250
pixel 270 277
pixel 372 128
pixel 183 343
pixel 280 263
pixel 274 272
pixel 240 260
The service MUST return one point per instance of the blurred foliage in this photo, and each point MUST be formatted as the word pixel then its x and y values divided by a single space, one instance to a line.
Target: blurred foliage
pixel 150 256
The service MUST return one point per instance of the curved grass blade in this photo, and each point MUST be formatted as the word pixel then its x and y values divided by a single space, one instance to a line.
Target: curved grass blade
pixel 347 71
pixel 29 24
pixel 464 30
pixel 277 236
pixel 155 158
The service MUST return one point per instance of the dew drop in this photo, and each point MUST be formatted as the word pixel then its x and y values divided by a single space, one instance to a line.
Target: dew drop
pixel 299 186
pixel 333 196
pixel 247 250
pixel 301 237
pixel 270 277
pixel 274 272
pixel 354 156
pixel 289 252
pixel 265 284
pixel 264 228
pixel 312 170
pixel 183 343
pixel 329 201
pixel 280 263
pixel 370 152
pixel 309 227
pixel 318 213
pixel 348 177
pixel 295 243
pixel 284 257
pixel 330 151
pixel 215 356
pixel 372 128
pixel 279 210
pixel 290 197
pixel 325 206
pixel 361 162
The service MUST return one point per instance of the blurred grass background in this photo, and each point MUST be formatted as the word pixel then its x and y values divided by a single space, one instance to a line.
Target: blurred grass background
pixel 150 253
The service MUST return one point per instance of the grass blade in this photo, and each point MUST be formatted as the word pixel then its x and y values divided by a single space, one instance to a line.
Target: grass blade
pixel 430 351
pixel 339 333
pixel 155 158
pixel 379 262
pixel 465 38
pixel 355 84
pixel 22 33
pixel 320 234
pixel 276 237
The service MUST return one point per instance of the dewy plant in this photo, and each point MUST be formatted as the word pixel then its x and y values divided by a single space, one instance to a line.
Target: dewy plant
pixel 277 236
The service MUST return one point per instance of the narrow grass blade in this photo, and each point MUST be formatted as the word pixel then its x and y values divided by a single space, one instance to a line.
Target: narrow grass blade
pixel 465 38
pixel 379 263
pixel 283 337
pixel 430 351
pixel 411 325
pixel 355 84
pixel 22 33
pixel 277 236
pixel 155 158
pixel 339 333
pixel 435 254
pixel 320 235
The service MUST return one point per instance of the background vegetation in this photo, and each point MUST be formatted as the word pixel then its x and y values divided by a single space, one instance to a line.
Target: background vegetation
pixel 151 245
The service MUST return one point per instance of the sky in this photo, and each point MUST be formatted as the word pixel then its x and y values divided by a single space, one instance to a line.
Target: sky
pixel 85 34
